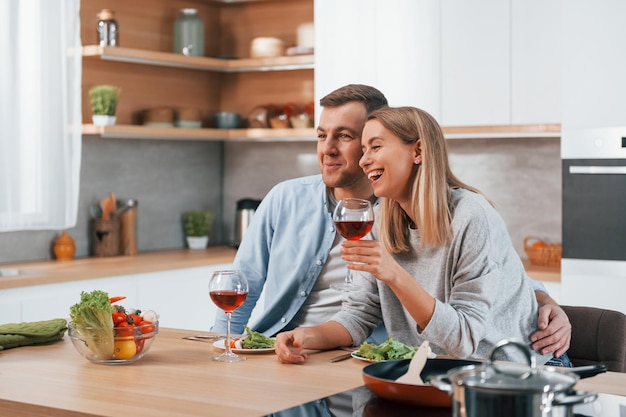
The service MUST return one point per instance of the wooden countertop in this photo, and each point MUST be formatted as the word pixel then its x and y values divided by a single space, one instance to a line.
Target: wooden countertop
pixel 50 272
pixel 177 377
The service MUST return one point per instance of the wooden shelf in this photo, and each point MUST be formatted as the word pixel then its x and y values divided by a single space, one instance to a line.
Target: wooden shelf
pixel 167 59
pixel 503 131
pixel 304 135
pixel 144 132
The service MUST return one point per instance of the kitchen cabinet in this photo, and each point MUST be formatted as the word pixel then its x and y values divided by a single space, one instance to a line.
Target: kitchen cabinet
pixel 452 58
pixel 150 76
pixel 536 61
pixel 594 85
pixel 385 44
pixel 475 62
pixel 501 62
pixel 180 296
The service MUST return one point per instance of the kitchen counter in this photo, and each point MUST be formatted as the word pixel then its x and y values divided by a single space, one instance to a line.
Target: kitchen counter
pixel 178 378
pixel 52 272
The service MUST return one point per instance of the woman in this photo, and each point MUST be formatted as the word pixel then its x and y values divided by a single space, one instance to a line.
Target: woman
pixel 443 267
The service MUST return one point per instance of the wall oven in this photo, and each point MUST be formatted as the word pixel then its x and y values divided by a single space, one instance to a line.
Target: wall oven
pixel 593 268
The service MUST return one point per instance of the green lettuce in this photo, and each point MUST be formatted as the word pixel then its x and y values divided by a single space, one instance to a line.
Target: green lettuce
pixel 256 340
pixel 93 321
pixel 389 349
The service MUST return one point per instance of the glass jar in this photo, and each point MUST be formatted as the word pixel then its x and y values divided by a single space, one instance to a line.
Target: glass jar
pixel 189 33
pixel 108 30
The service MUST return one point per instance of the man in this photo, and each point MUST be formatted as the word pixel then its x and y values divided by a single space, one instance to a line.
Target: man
pixel 291 246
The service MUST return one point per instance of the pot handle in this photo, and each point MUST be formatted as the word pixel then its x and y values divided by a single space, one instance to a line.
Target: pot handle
pixel 579 397
pixel 441 382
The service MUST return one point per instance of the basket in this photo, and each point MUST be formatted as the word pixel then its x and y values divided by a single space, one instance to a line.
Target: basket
pixel 541 253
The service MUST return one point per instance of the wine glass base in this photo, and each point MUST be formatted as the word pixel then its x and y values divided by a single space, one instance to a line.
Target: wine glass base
pixel 341 286
pixel 228 357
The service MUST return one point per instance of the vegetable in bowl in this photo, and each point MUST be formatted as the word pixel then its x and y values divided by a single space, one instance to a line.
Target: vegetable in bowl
pixel 92 318
pixel 111 334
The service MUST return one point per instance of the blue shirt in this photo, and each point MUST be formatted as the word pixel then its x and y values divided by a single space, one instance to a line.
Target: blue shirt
pixel 284 249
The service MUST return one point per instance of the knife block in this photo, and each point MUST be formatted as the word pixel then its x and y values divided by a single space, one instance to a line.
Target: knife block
pixel 105 237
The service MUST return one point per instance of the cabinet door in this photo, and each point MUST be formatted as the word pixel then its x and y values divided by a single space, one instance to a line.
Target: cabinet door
pixel 536 46
pixel 45 302
pixel 181 297
pixel 391 45
pixel 594 85
pixel 475 57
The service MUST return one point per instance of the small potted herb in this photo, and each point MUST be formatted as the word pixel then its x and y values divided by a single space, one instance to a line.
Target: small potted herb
pixel 103 100
pixel 197 225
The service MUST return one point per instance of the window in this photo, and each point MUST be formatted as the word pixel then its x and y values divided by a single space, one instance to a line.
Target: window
pixel 40 114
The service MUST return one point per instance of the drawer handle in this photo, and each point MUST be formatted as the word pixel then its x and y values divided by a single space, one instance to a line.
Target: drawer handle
pixel 575 169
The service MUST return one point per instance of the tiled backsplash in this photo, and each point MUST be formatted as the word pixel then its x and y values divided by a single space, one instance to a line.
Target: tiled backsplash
pixel 523 176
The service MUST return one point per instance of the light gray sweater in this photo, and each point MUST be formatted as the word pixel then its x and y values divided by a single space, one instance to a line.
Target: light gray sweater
pixel 481 289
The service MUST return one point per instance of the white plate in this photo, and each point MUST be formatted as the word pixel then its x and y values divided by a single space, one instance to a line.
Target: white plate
pixel 220 345
pixel 355 355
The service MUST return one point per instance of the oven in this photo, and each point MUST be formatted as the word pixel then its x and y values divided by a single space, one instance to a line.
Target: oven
pixel 593 268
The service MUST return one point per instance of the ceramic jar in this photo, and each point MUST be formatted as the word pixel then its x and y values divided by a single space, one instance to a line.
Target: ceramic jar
pixel 64 247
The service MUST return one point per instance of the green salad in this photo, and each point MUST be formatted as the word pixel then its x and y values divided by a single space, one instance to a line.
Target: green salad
pixel 389 349
pixel 256 340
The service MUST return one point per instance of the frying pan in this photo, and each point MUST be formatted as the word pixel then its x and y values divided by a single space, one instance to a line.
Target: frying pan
pixel 380 378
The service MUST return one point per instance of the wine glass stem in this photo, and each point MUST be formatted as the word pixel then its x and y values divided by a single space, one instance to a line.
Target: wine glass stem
pixel 228 351
pixel 349 277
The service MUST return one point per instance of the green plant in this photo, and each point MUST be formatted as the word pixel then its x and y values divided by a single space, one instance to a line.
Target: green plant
pixel 197 222
pixel 104 99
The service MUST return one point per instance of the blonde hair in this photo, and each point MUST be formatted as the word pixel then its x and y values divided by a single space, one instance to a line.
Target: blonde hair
pixel 432 182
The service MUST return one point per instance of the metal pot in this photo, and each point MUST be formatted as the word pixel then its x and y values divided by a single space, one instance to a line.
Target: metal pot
pixel 245 209
pixel 508 389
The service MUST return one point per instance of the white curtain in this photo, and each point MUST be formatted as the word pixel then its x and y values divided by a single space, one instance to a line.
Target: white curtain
pixel 40 114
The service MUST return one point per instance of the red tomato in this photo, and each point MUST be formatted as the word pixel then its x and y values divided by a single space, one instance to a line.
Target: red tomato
pixel 118 318
pixel 139 344
pixel 136 319
pixel 147 327
pixel 125 329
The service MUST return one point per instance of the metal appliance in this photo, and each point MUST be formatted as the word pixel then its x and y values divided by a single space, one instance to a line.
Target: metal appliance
pixel 593 268
pixel 245 210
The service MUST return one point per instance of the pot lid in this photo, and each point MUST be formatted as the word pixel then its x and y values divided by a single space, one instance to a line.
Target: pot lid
pixel 513 377
pixel 517 377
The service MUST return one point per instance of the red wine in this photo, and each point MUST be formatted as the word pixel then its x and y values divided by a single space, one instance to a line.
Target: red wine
pixel 228 300
pixel 354 230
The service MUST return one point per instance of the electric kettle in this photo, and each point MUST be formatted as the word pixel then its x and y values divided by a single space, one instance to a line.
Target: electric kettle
pixel 245 209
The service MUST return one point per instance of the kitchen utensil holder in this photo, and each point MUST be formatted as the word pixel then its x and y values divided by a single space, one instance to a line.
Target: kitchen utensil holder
pixel 105 237
pixel 548 254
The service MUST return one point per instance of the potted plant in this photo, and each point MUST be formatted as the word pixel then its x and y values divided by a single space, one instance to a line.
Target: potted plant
pixel 103 100
pixel 197 225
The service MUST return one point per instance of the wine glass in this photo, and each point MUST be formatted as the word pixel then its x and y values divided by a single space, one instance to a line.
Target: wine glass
pixel 354 218
pixel 228 290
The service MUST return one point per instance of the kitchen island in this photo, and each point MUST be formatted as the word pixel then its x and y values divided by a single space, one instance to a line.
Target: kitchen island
pixel 177 377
